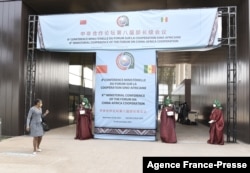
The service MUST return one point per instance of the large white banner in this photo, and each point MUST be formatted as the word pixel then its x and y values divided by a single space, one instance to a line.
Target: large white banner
pixel 178 29
pixel 125 95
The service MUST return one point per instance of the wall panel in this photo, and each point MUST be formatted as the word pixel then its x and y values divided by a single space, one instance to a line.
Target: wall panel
pixel 209 78
pixel 10 58
pixel 243 116
pixel 52 85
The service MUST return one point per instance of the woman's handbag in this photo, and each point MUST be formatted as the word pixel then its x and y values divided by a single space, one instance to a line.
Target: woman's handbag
pixel 45 125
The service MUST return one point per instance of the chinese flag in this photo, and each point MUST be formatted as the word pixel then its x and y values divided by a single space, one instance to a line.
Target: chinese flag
pixel 101 69
pixel 83 22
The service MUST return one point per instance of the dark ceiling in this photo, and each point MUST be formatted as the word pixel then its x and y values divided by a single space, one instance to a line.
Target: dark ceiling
pixel 83 6
pixel 88 6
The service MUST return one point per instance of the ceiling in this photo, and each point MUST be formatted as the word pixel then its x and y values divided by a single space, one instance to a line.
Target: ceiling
pixel 83 6
pixel 88 6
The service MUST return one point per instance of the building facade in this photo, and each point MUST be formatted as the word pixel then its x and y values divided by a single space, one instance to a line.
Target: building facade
pixel 209 68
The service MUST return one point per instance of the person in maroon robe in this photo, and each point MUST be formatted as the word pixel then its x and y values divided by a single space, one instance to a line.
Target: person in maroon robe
pixel 84 121
pixel 216 131
pixel 167 123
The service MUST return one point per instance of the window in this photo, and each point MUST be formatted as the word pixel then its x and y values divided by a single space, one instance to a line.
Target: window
pixel 163 89
pixel 75 75
pixel 88 77
pixel 81 76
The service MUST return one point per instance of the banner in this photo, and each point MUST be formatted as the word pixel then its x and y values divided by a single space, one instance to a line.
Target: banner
pixel 125 95
pixel 171 30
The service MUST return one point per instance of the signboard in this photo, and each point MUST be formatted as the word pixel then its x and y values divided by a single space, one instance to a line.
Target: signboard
pixel 125 95
pixel 172 30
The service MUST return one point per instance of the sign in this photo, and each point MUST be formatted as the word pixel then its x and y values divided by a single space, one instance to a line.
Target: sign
pixel 125 95
pixel 171 30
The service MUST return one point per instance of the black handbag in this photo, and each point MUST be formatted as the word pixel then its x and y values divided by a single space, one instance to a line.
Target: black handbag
pixel 45 125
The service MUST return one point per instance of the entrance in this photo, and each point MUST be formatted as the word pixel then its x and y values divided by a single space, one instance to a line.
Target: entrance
pixel 229 40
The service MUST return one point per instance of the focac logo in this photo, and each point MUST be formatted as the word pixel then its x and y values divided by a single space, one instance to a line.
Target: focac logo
pixel 125 60
pixel 122 21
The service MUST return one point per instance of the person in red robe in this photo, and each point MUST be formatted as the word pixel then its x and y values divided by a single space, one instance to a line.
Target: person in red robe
pixel 216 131
pixel 167 122
pixel 84 121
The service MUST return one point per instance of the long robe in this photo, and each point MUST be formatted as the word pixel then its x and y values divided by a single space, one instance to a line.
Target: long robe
pixel 167 126
pixel 216 131
pixel 83 124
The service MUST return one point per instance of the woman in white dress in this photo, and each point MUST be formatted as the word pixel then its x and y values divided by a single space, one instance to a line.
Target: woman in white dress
pixel 34 126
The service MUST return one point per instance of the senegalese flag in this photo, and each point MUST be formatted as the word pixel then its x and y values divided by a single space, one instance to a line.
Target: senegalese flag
pixel 149 68
pixel 101 69
pixel 164 19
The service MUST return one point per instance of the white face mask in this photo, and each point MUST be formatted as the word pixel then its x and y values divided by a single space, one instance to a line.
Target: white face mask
pixel 214 105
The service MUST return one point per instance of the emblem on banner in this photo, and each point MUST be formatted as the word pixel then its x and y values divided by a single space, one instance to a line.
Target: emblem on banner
pixel 125 60
pixel 122 21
